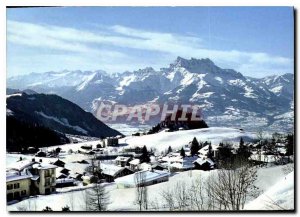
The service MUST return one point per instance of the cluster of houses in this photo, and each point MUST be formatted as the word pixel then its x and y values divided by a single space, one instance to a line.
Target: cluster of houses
pixel 31 177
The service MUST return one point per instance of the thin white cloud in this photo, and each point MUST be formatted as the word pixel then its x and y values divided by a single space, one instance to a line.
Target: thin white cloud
pixel 110 45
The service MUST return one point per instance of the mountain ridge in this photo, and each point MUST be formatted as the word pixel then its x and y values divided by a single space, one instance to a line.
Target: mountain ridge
pixel 224 94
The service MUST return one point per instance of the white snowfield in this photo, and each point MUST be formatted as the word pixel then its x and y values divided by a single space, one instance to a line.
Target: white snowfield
pixel 278 197
pixel 162 140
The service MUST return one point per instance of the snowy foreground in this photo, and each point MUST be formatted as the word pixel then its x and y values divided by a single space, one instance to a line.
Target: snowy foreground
pixel 277 188
pixel 277 193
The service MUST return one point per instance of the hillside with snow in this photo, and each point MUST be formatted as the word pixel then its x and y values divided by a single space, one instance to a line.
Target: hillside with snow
pixel 162 140
pixel 279 196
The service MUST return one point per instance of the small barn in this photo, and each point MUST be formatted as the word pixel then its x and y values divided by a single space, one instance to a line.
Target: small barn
pixel 111 172
pixel 204 164
pixel 147 178
pixel 134 164
pixel 122 161
pixel 59 163
pixel 65 182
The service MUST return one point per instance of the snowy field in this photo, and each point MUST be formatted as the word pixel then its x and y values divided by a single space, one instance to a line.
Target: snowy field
pixel 162 140
pixel 275 187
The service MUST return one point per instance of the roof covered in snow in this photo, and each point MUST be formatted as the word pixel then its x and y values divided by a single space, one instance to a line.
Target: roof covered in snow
pixel 121 158
pixel 201 161
pixel 14 176
pixel 147 177
pixel 135 162
pixel 110 169
pixel 43 166
pixel 204 150
pixel 20 165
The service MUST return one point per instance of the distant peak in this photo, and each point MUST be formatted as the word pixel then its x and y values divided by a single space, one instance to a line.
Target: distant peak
pixel 145 70
pixel 195 65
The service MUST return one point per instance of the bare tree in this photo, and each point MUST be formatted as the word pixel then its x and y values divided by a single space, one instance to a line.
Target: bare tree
pixel 177 197
pixel 288 168
pixel 232 186
pixel 168 197
pixel 71 200
pixel 141 190
pixel 181 196
pixel 97 198
pixel 22 208
pixel 196 194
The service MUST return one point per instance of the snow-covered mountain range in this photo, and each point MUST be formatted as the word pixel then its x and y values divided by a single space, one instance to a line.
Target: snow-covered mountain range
pixel 227 98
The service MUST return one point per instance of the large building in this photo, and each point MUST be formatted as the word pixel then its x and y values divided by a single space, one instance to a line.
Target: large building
pixel 26 178
pixel 17 185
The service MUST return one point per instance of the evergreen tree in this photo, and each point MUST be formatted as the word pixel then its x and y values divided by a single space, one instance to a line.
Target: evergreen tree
pixel 169 150
pixel 98 198
pixel 182 152
pixel 65 209
pixel 289 144
pixel 195 147
pixel 210 153
pixel 47 209
pixel 242 142
pixel 243 151
pixel 224 153
pixel 145 155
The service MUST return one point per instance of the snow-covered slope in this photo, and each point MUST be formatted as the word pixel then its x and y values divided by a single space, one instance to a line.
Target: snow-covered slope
pixel 162 140
pixel 124 199
pixel 278 197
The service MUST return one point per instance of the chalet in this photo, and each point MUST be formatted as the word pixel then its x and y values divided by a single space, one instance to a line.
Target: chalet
pixel 203 151
pixel 145 166
pixel 65 182
pixel 147 178
pixel 122 161
pixel 76 176
pixel 62 172
pixel 158 167
pixel 41 154
pixel 184 164
pixel 134 164
pixel 111 172
pixel 204 164
pixel 59 163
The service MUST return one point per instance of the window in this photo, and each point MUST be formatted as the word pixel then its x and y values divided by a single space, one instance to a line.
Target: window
pixel 9 186
pixel 47 181
pixel 23 192
pixel 47 173
pixel 16 185
pixel 10 197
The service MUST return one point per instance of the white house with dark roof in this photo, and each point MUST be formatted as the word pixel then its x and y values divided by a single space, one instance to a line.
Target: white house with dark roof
pixel 122 161
pixel 110 172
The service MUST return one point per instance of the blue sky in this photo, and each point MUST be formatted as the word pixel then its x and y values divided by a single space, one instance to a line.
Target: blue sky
pixel 256 41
